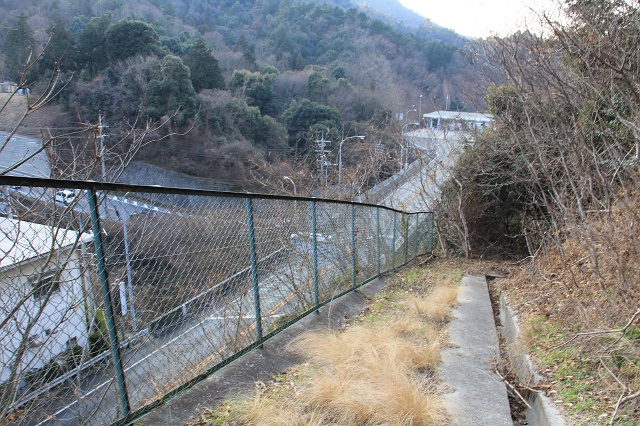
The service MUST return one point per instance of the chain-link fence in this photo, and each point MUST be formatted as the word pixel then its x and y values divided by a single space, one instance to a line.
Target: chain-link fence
pixel 113 298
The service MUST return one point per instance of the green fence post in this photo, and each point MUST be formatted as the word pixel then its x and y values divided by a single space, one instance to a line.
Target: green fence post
pixel 417 239
pixel 378 237
pixel 108 304
pixel 254 268
pixel 432 232
pixel 314 253
pixel 406 237
pixel 393 249
pixel 353 246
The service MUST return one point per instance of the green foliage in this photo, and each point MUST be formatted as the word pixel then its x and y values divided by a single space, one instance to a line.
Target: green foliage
pixel 205 71
pixel 137 77
pixel 174 45
pixel 248 51
pixel 18 45
pixel 92 45
pixel 496 200
pixel 337 70
pixel 438 54
pixel 503 102
pixel 175 91
pixel 77 25
pixel 99 340
pixel 124 69
pixel 457 105
pixel 263 130
pixel 129 38
pixel 257 89
pixel 300 117
pixel 317 87
pixel 61 49
pixel 298 62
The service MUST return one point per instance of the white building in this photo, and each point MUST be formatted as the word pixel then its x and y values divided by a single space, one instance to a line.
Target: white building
pixel 42 297
pixel 440 127
pixel 457 120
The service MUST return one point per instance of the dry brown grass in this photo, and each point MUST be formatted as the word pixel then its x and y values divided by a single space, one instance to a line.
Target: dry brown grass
pixel 437 306
pixel 583 286
pixel 368 374
pixel 377 370
pixel 48 117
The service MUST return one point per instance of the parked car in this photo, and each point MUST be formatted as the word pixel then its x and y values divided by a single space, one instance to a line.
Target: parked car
pixel 65 196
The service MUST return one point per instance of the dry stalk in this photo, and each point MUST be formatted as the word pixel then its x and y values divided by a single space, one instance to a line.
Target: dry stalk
pixel 513 389
pixel 599 332
pixel 621 401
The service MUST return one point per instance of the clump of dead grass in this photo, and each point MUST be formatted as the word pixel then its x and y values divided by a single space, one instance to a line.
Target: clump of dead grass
pixel 437 306
pixel 375 381
pixel 369 373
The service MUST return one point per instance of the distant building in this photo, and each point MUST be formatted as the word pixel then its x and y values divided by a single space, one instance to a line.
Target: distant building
pixel 42 296
pixel 8 87
pixel 456 120
pixel 439 126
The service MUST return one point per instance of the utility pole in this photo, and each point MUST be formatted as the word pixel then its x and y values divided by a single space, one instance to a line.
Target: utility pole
pixel 322 156
pixel 420 113
pixel 379 151
pixel 127 258
pixel 101 137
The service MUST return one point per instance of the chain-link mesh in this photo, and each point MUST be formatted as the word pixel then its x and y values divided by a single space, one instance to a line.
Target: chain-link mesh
pixel 103 315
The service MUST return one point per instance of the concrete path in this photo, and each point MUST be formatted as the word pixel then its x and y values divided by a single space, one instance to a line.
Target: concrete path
pixel 478 396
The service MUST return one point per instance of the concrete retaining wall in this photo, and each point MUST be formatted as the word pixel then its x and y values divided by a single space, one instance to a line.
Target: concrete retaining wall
pixel 542 412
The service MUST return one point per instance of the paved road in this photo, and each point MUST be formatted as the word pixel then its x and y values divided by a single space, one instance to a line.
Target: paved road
pixel 23 149
pixel 158 362
pixel 421 192
pixel 112 207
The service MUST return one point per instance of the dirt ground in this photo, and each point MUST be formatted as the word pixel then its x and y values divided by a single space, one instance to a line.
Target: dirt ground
pixel 14 108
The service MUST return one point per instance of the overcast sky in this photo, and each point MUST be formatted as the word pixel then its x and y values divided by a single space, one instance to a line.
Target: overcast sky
pixel 479 18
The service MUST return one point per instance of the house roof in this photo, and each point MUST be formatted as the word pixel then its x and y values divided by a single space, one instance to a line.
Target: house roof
pixel 461 116
pixel 22 241
pixel 17 149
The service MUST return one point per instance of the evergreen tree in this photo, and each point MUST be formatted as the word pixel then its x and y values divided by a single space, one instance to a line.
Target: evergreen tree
pixel 18 45
pixel 299 63
pixel 174 92
pixel 92 45
pixel 205 71
pixel 301 116
pixel 60 48
pixel 257 89
pixel 130 38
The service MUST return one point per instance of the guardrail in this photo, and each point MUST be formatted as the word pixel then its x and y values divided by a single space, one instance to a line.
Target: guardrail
pixel 110 307
pixel 379 192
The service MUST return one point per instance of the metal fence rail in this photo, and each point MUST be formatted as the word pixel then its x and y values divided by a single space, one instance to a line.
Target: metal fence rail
pixel 115 297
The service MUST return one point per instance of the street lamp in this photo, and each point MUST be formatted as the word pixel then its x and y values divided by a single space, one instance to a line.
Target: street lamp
pixel 405 146
pixel 340 156
pixel 134 324
pixel 326 165
pixel 420 113
pixel 295 192
pixel 406 117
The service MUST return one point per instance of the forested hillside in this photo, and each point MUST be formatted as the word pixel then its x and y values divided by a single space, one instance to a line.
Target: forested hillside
pixel 256 81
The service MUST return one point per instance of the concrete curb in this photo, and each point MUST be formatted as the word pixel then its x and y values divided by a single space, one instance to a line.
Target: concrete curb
pixel 479 396
pixel 543 412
